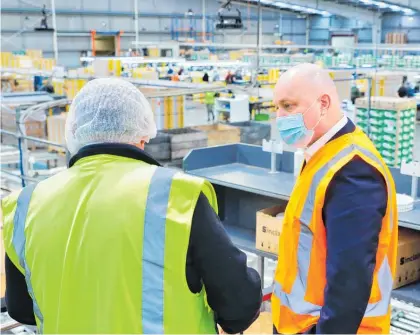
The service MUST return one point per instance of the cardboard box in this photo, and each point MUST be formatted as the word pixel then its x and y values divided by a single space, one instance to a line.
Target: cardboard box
pixel 268 229
pixel 219 134
pixel 56 131
pixel 408 259
pixel 387 103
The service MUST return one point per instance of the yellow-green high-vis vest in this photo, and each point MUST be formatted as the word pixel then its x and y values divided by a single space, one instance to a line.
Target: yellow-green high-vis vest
pixel 103 247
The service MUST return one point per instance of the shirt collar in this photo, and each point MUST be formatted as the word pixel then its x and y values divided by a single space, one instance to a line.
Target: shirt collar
pixel 324 139
pixel 116 149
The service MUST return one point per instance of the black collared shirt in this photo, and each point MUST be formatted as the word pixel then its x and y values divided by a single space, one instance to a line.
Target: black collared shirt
pixel 233 290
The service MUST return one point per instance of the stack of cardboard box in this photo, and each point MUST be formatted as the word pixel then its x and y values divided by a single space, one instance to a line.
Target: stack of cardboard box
pixel 32 128
pixel 28 60
pixel 396 38
pixel 390 124
pixel 56 131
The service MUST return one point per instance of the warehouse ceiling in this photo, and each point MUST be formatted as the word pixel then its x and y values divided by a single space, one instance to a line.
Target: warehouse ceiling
pixel 413 4
pixel 400 6
pixel 364 10
pixel 321 7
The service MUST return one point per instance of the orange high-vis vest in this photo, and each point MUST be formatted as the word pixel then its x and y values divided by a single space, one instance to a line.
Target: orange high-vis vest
pixel 300 277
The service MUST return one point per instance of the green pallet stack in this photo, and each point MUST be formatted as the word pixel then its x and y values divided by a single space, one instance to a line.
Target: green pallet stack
pixel 390 125
pixel 364 60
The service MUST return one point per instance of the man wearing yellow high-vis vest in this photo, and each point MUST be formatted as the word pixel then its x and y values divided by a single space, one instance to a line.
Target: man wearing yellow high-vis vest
pixel 338 245
pixel 117 243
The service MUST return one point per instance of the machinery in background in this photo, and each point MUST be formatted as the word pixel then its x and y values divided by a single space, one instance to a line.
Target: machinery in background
pixel 227 19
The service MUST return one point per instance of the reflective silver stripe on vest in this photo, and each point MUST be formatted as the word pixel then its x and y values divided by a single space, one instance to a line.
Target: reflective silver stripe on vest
pixel 295 300
pixel 154 251
pixel 19 242
pixel 385 286
pixel 306 215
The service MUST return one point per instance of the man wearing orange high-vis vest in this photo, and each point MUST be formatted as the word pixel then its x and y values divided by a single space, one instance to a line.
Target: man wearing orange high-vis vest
pixel 337 250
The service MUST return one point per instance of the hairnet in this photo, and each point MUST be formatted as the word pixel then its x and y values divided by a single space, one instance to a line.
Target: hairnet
pixel 108 110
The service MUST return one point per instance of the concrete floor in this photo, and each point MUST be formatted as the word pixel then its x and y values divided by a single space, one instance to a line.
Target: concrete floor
pixel 195 114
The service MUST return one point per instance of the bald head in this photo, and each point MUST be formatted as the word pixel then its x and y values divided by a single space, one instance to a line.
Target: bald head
pixel 306 79
pixel 309 90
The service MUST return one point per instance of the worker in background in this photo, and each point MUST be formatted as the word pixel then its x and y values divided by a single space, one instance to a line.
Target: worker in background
pixel 118 243
pixel 355 92
pixel 47 86
pixel 238 75
pixel 209 101
pixel 417 87
pixel 406 91
pixel 44 23
pixel 337 250
pixel 229 78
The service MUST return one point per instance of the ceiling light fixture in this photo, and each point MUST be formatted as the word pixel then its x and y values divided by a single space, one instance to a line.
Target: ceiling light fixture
pixel 395 8
pixel 284 5
pixel 280 4
pixel 408 11
pixel 384 5
pixel 381 4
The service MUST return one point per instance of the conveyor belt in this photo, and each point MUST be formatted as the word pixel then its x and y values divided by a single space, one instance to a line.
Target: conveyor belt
pixel 405 318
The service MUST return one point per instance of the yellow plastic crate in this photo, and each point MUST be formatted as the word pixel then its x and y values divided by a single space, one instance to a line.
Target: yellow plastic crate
pixel 6 59
pixel 34 53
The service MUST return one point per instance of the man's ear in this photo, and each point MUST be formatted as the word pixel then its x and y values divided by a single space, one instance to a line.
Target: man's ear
pixel 140 144
pixel 325 102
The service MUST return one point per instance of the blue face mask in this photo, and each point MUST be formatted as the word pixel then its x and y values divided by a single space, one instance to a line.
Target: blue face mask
pixel 293 130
